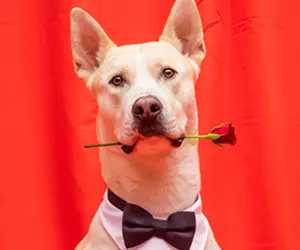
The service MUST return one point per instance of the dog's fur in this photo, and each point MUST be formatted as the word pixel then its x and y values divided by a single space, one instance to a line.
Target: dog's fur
pixel 156 176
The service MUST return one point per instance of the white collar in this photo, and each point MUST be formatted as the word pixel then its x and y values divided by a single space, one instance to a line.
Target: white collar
pixel 111 219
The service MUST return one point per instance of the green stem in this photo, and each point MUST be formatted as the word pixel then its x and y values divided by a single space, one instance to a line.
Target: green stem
pixel 209 136
pixel 195 136
pixel 103 145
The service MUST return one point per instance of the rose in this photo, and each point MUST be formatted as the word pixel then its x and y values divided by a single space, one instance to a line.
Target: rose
pixel 226 132
pixel 222 134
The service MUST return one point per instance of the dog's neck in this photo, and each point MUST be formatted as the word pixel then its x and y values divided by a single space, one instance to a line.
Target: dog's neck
pixel 161 184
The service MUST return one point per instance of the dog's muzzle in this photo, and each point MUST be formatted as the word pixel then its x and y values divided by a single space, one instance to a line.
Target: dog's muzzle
pixel 146 112
pixel 147 122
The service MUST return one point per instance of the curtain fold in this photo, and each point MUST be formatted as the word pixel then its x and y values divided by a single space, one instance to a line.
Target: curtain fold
pixel 50 186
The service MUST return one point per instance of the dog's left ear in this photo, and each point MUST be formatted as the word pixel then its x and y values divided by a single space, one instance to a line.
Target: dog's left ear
pixel 184 30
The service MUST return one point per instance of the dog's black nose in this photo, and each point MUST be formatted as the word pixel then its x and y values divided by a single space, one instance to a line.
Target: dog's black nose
pixel 146 108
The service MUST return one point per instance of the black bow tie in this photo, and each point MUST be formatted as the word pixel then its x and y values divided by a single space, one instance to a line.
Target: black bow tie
pixel 138 225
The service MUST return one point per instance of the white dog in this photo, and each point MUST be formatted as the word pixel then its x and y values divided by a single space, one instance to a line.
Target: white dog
pixel 147 102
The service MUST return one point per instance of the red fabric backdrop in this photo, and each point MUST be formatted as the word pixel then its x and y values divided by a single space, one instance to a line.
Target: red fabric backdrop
pixel 50 186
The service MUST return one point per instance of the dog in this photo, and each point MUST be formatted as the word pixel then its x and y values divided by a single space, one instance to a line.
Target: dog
pixel 146 98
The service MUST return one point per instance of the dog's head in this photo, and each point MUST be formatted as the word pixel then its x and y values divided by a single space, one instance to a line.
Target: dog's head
pixel 146 90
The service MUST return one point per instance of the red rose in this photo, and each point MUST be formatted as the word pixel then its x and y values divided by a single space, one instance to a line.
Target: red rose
pixel 226 132
pixel 222 134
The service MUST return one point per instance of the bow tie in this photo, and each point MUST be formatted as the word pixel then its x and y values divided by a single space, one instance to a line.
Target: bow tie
pixel 138 225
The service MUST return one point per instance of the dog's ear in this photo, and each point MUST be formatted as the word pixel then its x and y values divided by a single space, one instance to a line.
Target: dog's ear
pixel 184 30
pixel 89 43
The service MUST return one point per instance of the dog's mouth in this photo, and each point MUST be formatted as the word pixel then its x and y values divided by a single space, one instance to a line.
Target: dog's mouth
pixel 152 132
pixel 127 149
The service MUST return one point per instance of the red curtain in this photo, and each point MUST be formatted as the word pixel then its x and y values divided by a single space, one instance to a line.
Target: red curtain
pixel 50 186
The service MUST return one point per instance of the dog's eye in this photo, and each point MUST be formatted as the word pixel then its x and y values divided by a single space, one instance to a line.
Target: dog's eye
pixel 117 81
pixel 169 73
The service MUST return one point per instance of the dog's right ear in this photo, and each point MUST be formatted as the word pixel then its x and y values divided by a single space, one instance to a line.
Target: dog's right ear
pixel 89 43
pixel 184 30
